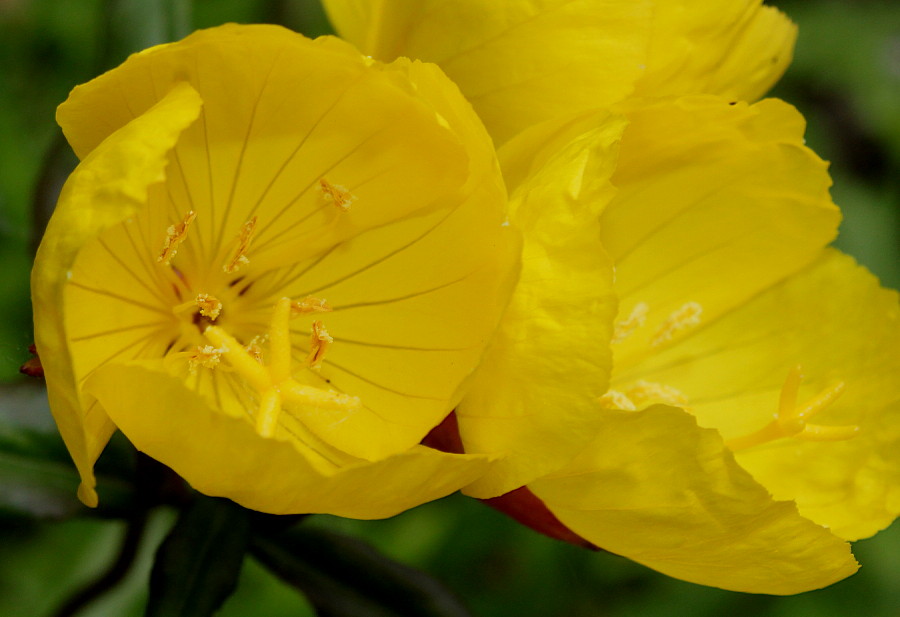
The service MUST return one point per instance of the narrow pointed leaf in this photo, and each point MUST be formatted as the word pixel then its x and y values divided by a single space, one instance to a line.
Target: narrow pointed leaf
pixel 198 564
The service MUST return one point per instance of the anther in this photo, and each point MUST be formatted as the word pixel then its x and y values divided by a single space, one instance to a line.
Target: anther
pixel 647 391
pixel 309 304
pixel 319 343
pixel 336 194
pixel 245 236
pixel 791 420
pixel 206 356
pixel 614 399
pixel 175 235
pixel 635 320
pixel 685 317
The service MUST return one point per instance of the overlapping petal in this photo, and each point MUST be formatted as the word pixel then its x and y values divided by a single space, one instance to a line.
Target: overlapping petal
pixel 222 455
pixel 519 62
pixel 533 399
pixel 661 491
pixel 111 184
pixel 835 321
pixel 715 203
pixel 734 48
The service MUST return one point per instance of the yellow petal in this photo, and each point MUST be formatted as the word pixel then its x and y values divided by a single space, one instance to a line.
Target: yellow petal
pixel 518 62
pixel 109 185
pixel 222 455
pixel 534 397
pixel 305 111
pixel 734 48
pixel 661 491
pixel 716 202
pixel 835 321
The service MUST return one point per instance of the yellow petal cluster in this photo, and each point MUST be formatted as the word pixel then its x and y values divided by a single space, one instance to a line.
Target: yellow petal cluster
pixel 274 268
pixel 686 375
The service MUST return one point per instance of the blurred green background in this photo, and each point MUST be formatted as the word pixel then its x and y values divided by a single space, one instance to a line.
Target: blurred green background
pixel 845 79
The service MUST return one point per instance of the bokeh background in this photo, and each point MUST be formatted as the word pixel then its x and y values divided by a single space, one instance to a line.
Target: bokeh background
pixel 845 79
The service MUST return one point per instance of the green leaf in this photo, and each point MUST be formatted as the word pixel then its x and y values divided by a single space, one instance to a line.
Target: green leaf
pixel 198 564
pixel 37 477
pixel 344 577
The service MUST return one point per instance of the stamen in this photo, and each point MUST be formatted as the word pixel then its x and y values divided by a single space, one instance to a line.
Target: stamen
pixel 614 399
pixel 319 343
pixel 254 348
pixel 323 399
pixel 309 304
pixel 336 194
pixel 210 306
pixel 175 235
pixel 206 356
pixel 245 236
pixel 646 391
pixel 635 320
pixel 685 317
pixel 790 419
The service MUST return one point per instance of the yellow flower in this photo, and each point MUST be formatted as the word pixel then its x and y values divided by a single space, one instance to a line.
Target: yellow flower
pixel 685 375
pixel 273 269
pixel 524 61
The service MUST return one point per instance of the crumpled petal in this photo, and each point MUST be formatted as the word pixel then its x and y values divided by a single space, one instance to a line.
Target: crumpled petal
pixel 519 62
pixel 661 491
pixel 222 454
pixel 734 48
pixel 835 321
pixel 111 184
pixel 715 203
pixel 533 399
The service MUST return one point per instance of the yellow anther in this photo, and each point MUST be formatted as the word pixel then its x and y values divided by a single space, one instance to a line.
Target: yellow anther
pixel 635 320
pixel 647 391
pixel 254 348
pixel 206 356
pixel 309 304
pixel 336 194
pixel 319 342
pixel 244 237
pixel 791 419
pixel 685 317
pixel 175 235
pixel 209 306
pixel 614 399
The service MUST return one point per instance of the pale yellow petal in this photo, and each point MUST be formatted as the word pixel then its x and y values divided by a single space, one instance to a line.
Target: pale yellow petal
pixel 716 202
pixel 222 455
pixel 534 398
pixel 519 62
pixel 661 491
pixel 109 185
pixel 734 48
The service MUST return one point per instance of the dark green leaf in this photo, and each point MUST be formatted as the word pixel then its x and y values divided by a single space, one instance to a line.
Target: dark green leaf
pixel 344 577
pixel 198 564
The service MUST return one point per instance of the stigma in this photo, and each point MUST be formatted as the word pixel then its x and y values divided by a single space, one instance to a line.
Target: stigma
pixel 791 419
pixel 274 381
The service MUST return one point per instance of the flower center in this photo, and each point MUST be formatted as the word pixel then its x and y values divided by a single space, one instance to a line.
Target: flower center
pixel 274 381
pixel 791 419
